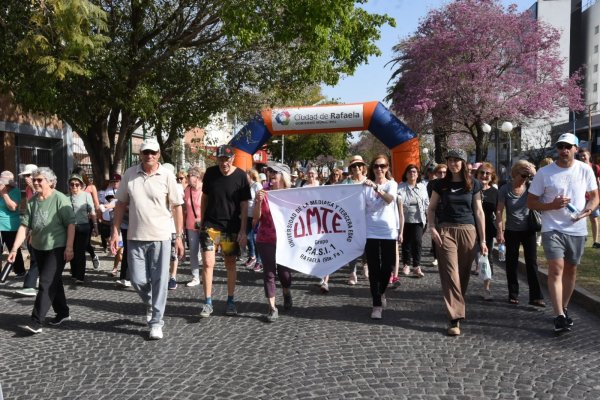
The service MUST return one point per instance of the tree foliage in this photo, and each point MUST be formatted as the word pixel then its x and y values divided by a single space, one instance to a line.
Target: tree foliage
pixel 473 62
pixel 170 64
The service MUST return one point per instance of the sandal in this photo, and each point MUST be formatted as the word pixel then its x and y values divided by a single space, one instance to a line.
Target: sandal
pixel 513 301
pixel 537 303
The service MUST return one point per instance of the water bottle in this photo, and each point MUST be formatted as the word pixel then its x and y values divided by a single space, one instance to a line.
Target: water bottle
pixel 573 211
pixel 501 252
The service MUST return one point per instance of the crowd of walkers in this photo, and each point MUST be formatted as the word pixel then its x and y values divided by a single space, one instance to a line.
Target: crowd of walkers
pixel 147 218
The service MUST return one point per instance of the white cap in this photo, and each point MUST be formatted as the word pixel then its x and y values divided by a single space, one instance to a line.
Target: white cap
pixel 150 144
pixel 262 177
pixel 568 138
pixel 28 170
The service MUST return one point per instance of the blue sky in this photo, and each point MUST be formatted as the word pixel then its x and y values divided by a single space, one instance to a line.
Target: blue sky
pixel 370 81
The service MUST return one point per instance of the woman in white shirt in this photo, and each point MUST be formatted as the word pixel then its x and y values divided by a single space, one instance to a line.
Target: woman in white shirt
pixel 382 229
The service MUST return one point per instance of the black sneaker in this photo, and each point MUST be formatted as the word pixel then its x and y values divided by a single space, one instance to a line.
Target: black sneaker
pixel 560 324
pixel 58 320
pixel 569 320
pixel 34 327
pixel 287 302
pixel 596 245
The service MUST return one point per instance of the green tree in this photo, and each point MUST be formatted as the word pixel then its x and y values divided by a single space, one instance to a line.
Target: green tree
pixel 170 64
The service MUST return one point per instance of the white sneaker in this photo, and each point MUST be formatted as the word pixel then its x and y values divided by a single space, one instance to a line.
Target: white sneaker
pixel 126 283
pixel 435 262
pixel 406 270
pixel 324 287
pixel 376 313
pixel 487 294
pixel 156 333
pixel 194 282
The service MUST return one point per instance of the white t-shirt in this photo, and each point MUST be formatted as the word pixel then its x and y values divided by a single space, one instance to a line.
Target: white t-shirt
pixel 383 220
pixel 573 182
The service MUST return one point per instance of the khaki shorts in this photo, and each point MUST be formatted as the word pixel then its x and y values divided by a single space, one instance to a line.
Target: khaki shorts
pixel 210 238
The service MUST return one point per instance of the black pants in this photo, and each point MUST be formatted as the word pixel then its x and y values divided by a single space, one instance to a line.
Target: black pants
pixel 513 240
pixel 90 248
pixel 51 291
pixel 9 238
pixel 32 275
pixel 412 243
pixel 82 237
pixel 381 259
pixel 124 262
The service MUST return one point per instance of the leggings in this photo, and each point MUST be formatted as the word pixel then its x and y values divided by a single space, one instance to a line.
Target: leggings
pixel 381 258
pixel 272 269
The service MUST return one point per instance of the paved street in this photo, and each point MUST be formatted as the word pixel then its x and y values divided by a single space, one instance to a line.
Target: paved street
pixel 326 347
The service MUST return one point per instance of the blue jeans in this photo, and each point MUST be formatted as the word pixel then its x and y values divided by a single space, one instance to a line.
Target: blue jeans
pixel 251 235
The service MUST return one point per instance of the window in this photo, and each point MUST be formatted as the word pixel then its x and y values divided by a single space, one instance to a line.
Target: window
pixel 595 67
pixel 596 49
pixel 595 87
pixel 596 29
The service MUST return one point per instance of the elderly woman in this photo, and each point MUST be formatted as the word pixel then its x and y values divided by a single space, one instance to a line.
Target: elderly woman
pixel 461 223
pixel 192 196
pixel 83 207
pixel 50 218
pixel 413 199
pixel 515 233
pixel 383 225
pixel 10 197
pixel 266 241
pixel 312 178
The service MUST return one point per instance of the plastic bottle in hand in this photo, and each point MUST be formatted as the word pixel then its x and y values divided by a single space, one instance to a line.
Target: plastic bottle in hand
pixel 573 211
pixel 501 252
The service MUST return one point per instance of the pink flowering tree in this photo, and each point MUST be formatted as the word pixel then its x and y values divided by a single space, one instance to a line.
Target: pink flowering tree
pixel 474 62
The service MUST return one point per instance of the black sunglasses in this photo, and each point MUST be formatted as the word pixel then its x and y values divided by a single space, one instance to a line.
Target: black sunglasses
pixel 562 146
pixel 380 166
pixel 149 152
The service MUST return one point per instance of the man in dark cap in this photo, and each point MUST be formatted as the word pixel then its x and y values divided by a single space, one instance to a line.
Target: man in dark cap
pixel 224 215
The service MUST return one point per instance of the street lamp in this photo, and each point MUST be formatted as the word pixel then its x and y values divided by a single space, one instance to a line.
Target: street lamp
pixel 507 128
pixel 282 145
pixel 487 129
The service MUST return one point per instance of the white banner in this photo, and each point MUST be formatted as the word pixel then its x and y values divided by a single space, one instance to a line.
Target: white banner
pixel 323 117
pixel 319 229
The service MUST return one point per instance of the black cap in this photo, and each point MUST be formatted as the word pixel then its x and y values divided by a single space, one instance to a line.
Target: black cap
pixel 225 151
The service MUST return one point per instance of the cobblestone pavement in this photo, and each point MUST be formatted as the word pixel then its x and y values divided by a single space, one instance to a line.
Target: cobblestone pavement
pixel 326 347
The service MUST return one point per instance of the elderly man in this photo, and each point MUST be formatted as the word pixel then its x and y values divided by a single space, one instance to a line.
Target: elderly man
pixel 224 215
pixel 152 195
pixel 559 191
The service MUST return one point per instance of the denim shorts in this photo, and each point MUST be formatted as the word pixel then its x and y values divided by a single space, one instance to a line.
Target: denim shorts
pixel 211 238
pixel 559 245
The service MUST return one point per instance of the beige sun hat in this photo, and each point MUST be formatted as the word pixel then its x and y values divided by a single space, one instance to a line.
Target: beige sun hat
pixel 356 160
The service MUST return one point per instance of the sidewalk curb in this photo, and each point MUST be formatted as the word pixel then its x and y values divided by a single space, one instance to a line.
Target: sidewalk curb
pixel 580 295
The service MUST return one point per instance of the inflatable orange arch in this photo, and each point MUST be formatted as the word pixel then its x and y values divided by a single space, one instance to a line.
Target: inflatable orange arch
pixel 372 116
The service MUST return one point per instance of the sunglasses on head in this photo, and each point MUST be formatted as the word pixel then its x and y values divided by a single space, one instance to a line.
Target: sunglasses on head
pixel 380 166
pixel 562 146
pixel 149 152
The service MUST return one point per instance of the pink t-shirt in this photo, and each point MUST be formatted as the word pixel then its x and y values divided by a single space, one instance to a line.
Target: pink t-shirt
pixel 190 195
pixel 266 227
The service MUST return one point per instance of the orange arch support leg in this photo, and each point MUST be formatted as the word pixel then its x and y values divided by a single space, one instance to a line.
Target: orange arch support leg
pixel 243 160
pixel 404 154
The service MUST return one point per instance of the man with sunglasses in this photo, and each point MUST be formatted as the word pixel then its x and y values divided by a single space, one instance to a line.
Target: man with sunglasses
pixel 559 191
pixel 224 217
pixel 151 192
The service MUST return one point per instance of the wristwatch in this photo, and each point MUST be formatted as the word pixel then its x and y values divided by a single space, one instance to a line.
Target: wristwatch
pixel 177 235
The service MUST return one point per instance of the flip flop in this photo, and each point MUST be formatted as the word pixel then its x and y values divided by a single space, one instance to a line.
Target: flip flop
pixel 513 301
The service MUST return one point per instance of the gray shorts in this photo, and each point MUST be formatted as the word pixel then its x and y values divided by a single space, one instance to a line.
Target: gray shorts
pixel 595 213
pixel 560 245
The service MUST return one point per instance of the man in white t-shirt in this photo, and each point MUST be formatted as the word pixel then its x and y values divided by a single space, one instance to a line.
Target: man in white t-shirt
pixel 558 191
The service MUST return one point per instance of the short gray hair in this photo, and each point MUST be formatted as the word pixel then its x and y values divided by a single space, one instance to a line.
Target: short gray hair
pixel 46 173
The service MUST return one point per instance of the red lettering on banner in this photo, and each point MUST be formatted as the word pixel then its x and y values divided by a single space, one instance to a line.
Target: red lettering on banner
pixel 325 219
